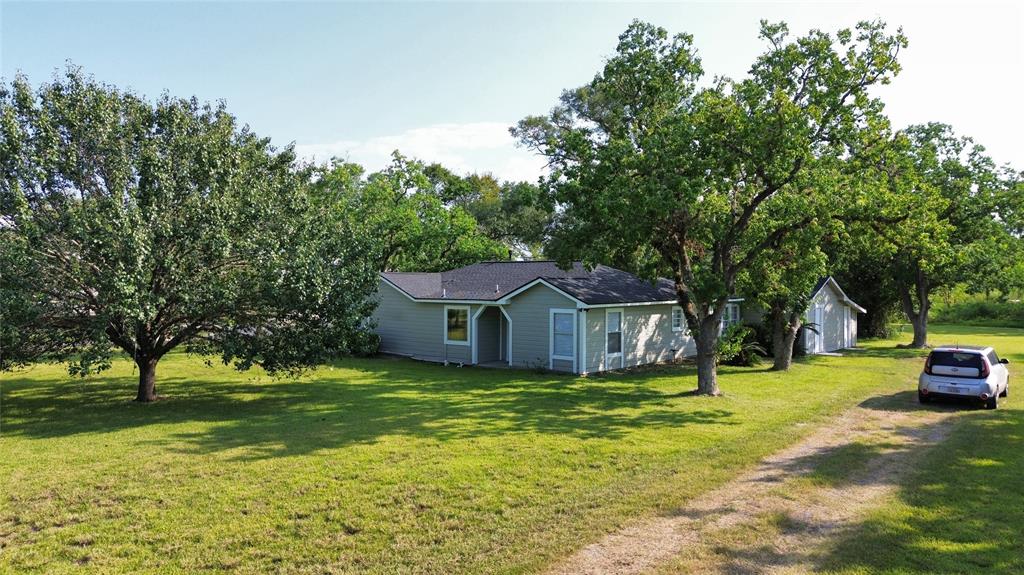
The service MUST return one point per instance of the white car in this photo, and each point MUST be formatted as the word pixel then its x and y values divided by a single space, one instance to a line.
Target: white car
pixel 966 372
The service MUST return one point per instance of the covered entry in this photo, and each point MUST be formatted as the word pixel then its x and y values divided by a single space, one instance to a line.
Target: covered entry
pixel 492 340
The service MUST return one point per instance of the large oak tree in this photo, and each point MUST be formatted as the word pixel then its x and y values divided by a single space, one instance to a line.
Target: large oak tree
pixel 953 229
pixel 400 210
pixel 781 282
pixel 699 181
pixel 516 214
pixel 144 226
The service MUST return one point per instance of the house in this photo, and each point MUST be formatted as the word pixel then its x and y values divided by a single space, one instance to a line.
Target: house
pixel 533 314
pixel 835 317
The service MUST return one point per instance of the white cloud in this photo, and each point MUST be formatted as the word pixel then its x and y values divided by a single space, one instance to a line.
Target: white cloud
pixel 463 148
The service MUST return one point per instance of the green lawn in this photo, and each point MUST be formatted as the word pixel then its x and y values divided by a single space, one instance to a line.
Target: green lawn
pixel 963 510
pixel 399 467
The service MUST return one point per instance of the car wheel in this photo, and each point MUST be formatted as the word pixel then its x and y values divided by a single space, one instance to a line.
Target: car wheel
pixel 992 402
pixel 922 398
pixel 1006 390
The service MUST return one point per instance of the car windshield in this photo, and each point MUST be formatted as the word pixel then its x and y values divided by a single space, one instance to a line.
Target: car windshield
pixel 957 359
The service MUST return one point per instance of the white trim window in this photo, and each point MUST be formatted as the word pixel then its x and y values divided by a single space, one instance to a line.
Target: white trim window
pixel 731 315
pixel 613 337
pixel 678 321
pixel 456 324
pixel 562 336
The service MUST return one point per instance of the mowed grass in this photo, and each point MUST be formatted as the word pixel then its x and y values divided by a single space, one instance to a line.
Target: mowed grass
pixel 389 466
pixel 962 511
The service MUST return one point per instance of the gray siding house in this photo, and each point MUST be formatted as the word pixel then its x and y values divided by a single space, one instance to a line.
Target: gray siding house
pixel 533 314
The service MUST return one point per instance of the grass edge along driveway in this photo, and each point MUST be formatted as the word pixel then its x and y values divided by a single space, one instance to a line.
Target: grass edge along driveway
pixel 382 466
pixel 961 510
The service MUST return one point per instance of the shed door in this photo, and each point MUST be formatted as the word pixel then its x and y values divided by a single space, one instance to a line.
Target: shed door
pixel 846 327
pixel 819 320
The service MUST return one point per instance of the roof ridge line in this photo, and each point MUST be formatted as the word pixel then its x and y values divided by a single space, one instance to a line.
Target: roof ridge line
pixel 412 272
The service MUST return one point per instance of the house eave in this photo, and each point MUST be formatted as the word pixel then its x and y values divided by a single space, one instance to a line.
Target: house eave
pixel 842 295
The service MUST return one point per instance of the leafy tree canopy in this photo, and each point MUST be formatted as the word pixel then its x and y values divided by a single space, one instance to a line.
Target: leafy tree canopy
pixel 146 226
pixel 698 182
pixel 516 214
pixel 951 230
pixel 781 282
pixel 399 207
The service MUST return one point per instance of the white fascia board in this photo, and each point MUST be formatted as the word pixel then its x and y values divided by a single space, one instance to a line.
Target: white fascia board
pixel 674 302
pixel 460 301
pixel 508 297
pixel 633 304
pixel 854 305
pixel 828 280
pixel 842 295
pixel 396 288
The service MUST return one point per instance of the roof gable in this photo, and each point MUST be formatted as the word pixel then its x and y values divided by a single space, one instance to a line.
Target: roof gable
pixel 831 282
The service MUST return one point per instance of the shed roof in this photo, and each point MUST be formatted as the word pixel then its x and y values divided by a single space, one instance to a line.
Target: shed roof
pixel 842 295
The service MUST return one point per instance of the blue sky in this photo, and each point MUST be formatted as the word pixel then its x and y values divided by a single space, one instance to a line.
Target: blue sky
pixel 443 81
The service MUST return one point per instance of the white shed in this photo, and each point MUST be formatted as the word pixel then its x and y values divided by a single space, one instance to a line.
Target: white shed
pixel 835 317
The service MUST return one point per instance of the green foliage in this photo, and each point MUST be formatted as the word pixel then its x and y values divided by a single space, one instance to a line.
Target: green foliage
pixel 863 270
pixel 149 225
pixel 785 276
pixel 514 213
pixel 993 313
pixel 994 263
pixel 781 280
pixel 471 470
pixel 410 224
pixel 739 345
pixel 763 335
pixel 1010 199
pixel 697 182
pixel 945 198
pixel 365 343
pixel 945 216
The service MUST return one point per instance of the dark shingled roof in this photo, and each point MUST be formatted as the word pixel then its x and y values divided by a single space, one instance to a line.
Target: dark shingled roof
pixel 602 285
pixel 609 285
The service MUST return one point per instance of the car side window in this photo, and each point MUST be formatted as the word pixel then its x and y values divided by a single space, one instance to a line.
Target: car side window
pixel 993 358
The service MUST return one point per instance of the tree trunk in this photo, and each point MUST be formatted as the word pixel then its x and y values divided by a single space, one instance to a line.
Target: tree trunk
pixel 707 360
pixel 918 317
pixel 784 332
pixel 920 324
pixel 147 380
pixel 875 323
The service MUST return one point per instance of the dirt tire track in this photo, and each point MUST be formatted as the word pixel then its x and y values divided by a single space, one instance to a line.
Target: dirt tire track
pixel 684 541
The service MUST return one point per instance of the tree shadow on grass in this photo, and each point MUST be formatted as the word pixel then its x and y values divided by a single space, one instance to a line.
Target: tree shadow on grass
pixel 891 351
pixel 360 403
pixel 907 401
pixel 959 513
